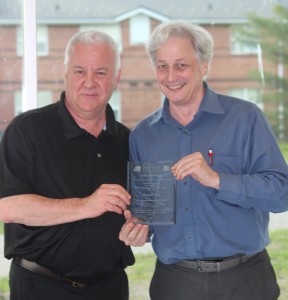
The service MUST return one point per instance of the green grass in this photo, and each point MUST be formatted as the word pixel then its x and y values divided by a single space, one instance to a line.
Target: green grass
pixel 278 251
pixel 4 285
pixel 284 150
pixel 140 276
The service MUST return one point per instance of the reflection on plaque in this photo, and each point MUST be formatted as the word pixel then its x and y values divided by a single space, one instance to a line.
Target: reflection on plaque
pixel 153 189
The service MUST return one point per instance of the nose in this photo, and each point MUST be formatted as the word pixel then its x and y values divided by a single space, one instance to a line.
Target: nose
pixel 89 80
pixel 171 74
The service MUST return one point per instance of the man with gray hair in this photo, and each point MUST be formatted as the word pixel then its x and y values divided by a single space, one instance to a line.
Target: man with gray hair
pixel 62 185
pixel 230 174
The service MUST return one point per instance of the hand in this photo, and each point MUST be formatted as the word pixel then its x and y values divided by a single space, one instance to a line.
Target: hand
pixel 108 197
pixel 133 233
pixel 196 166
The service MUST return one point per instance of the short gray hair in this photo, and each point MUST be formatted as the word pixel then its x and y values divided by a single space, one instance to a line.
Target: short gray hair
pixel 92 37
pixel 200 38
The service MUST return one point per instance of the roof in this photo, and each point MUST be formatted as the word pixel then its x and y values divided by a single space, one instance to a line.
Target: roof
pixel 111 11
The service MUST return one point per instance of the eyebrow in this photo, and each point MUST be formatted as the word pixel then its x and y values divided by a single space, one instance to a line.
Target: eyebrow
pixel 177 60
pixel 97 69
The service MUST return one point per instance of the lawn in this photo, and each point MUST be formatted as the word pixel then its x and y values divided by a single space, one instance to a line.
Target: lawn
pixel 284 150
pixel 278 251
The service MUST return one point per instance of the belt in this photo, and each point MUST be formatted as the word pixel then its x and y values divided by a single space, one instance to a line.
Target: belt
pixel 214 265
pixel 35 268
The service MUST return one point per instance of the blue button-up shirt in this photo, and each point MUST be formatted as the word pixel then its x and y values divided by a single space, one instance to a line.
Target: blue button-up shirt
pixel 253 178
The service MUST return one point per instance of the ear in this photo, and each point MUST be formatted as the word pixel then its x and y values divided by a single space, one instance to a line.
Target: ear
pixel 117 78
pixel 64 72
pixel 204 68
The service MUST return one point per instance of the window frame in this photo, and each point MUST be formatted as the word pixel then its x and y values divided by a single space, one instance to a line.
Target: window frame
pixel 29 91
pixel 238 46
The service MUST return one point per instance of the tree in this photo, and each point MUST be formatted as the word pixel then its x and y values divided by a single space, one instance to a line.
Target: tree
pixel 271 35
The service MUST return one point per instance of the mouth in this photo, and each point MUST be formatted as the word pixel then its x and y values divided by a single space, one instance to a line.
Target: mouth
pixel 175 86
pixel 89 95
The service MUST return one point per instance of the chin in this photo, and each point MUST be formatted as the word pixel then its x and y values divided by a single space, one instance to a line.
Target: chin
pixel 174 97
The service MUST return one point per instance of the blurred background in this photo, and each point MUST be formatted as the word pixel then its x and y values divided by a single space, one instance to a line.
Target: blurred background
pixel 250 60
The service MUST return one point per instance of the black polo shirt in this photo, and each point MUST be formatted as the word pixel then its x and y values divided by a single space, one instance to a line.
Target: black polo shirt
pixel 45 152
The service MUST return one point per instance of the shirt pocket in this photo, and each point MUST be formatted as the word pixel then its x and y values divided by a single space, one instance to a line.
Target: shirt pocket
pixel 227 164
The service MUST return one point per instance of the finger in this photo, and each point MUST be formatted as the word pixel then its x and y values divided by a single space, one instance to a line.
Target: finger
pixel 142 236
pixel 130 218
pixel 120 193
pixel 115 208
pixel 117 187
pixel 177 168
pixel 118 203
pixel 184 170
pixel 125 231
pixel 134 235
pixel 128 215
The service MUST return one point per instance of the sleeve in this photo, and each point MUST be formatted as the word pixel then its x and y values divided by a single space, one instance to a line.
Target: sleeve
pixel 16 163
pixel 263 183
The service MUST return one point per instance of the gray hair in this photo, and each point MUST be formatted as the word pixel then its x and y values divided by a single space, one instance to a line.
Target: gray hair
pixel 92 37
pixel 200 38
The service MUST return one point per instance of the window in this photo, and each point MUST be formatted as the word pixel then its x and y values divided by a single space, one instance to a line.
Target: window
pixel 139 29
pixel 115 103
pixel 18 103
pixel 42 41
pixel 239 43
pixel 43 97
pixel 252 95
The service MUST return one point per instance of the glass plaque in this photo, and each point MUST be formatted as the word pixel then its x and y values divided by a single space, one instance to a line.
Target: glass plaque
pixel 153 189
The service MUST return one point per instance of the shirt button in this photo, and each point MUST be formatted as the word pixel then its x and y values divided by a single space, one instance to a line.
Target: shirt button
pixel 99 155
pixel 185 182
pixel 186 209
pixel 189 236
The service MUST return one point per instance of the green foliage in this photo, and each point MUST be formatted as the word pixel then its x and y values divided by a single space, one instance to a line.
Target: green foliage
pixel 271 34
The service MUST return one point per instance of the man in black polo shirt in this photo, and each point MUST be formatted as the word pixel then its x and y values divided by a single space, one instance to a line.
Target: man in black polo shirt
pixel 63 173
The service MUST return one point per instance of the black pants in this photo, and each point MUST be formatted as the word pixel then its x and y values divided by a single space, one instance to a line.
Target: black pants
pixel 253 280
pixel 26 285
